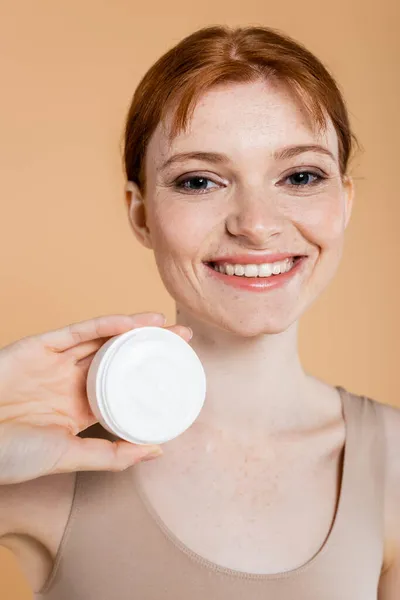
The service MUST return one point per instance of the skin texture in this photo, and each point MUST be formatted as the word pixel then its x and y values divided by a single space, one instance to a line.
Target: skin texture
pixel 268 444
pixel 267 428
pixel 265 420
pixel 247 341
pixel 43 402
pixel 247 206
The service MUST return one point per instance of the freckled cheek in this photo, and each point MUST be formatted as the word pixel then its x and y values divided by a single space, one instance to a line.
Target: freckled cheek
pixel 178 234
pixel 321 222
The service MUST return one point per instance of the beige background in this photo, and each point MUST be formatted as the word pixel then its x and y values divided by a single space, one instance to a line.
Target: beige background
pixel 67 74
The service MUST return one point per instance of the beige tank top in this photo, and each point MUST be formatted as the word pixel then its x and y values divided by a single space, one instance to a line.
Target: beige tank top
pixel 116 548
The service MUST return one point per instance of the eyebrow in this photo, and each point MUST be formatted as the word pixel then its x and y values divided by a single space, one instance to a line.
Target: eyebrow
pixel 219 158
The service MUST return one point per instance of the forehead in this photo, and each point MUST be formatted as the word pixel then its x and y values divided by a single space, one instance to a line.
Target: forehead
pixel 242 118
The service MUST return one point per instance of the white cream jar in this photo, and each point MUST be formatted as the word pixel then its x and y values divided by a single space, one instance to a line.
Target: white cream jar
pixel 146 386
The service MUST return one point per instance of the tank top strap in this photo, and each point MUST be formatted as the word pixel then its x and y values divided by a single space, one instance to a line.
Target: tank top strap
pixel 366 442
pixel 359 525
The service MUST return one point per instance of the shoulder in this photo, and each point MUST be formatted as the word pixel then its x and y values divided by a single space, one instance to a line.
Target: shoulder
pixel 390 417
pixel 40 507
pixel 32 507
pixel 33 518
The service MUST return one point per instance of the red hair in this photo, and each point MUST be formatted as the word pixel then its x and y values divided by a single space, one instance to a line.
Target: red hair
pixel 215 55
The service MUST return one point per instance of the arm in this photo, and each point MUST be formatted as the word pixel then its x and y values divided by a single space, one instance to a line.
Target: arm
pixel 44 416
pixel 33 517
pixel 389 585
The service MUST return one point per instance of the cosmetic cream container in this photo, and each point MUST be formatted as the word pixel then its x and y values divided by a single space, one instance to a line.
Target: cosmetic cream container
pixel 146 386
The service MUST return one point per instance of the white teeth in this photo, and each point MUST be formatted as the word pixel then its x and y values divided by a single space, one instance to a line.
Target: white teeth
pixel 265 270
pixel 239 270
pixel 252 270
pixel 276 269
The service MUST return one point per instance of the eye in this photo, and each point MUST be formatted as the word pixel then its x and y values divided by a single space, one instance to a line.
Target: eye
pixel 195 184
pixel 304 178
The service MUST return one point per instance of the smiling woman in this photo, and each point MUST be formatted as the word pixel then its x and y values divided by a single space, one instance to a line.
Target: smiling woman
pixel 237 147
pixel 251 180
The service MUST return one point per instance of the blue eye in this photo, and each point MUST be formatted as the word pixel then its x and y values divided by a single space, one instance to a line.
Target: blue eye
pixel 304 178
pixel 194 184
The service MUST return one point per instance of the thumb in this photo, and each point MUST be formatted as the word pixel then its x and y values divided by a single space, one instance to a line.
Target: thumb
pixel 92 454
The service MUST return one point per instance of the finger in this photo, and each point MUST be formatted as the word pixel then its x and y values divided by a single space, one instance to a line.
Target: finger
pixel 85 363
pixel 90 454
pixel 50 419
pixel 184 332
pixel 60 340
pixel 87 356
pixel 85 349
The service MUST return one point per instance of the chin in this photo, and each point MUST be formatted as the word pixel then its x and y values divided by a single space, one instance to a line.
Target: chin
pixel 245 326
pixel 250 329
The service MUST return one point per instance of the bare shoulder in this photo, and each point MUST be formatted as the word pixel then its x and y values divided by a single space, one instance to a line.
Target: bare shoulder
pixel 33 517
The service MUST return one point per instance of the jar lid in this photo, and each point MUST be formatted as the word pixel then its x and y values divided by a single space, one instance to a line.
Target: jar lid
pixel 149 384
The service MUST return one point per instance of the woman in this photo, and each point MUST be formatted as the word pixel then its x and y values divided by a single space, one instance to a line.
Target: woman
pixel 236 154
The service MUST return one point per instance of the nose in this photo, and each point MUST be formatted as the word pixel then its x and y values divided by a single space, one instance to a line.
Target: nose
pixel 254 219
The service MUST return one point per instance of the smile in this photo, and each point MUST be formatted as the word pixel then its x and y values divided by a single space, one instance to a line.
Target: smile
pixel 253 270
pixel 256 276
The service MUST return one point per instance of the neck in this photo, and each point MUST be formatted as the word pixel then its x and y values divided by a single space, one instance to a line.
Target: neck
pixel 254 384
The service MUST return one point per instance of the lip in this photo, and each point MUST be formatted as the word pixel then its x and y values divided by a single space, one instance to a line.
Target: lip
pixel 258 284
pixel 256 259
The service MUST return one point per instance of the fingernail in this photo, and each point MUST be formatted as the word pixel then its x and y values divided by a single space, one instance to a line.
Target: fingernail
pixel 163 317
pixel 152 454
pixel 191 332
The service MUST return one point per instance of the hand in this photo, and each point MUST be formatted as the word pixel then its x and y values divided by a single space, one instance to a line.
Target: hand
pixel 43 401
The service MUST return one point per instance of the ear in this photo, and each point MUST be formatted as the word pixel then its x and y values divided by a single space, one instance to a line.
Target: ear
pixel 349 192
pixel 137 214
